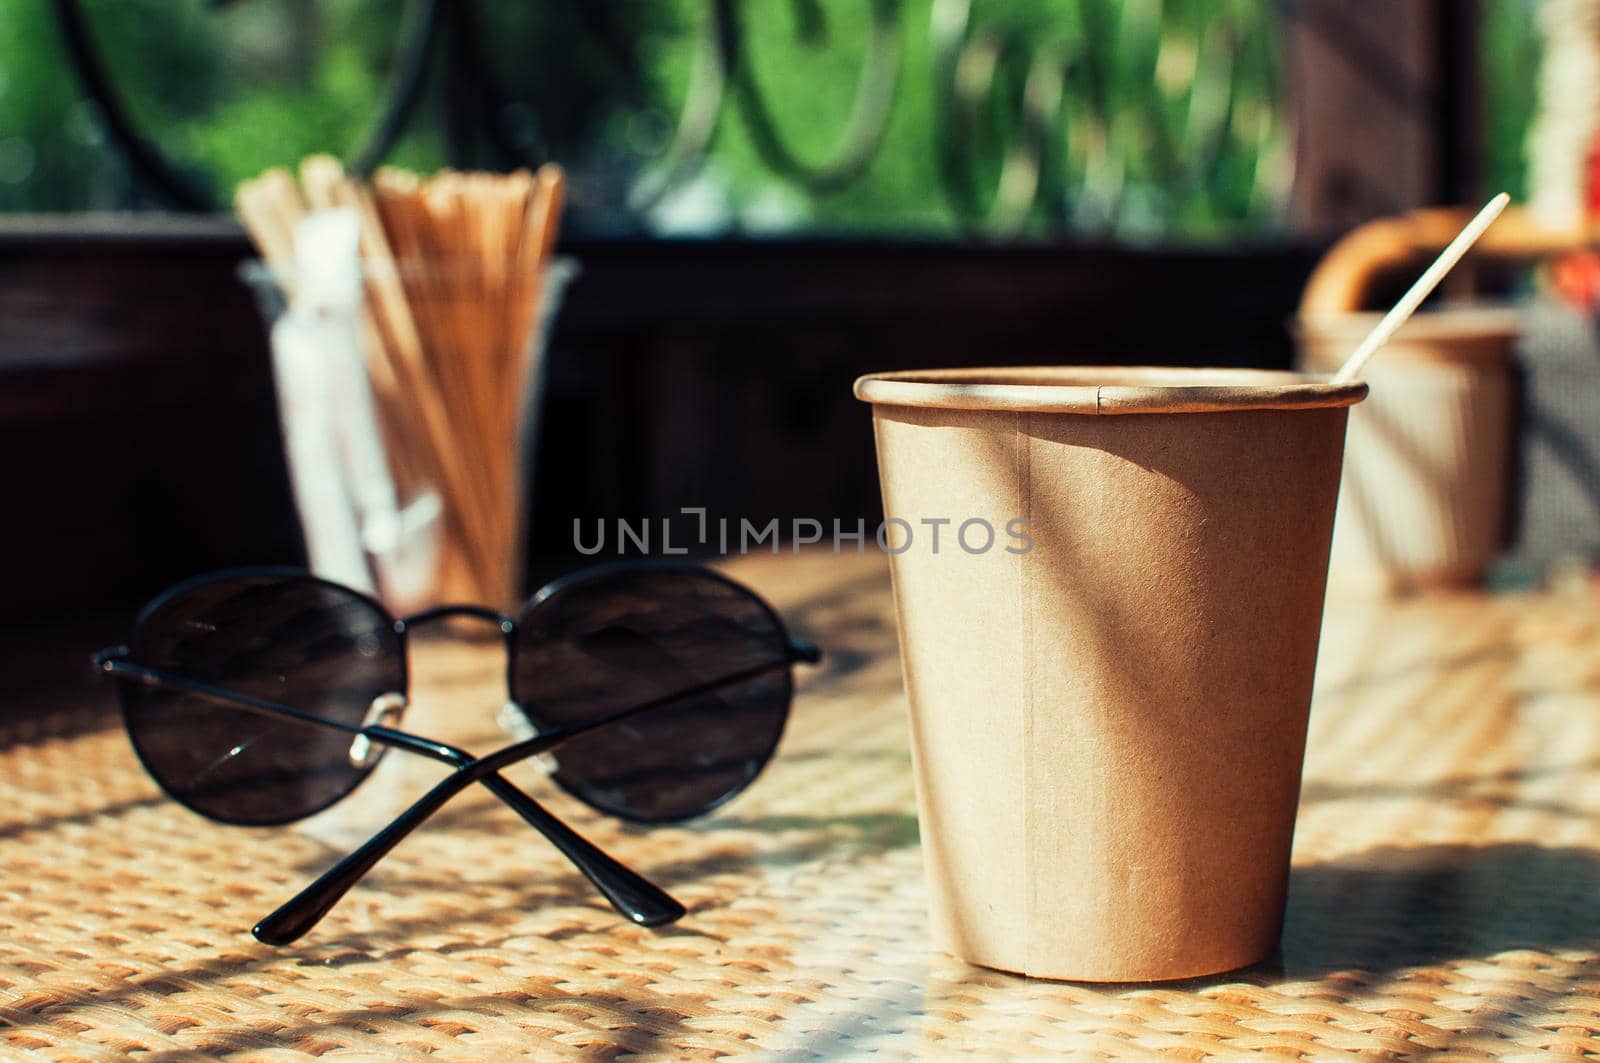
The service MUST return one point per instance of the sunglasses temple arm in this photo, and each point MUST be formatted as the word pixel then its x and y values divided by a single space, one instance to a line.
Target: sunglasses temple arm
pixel 631 894
pixel 801 651
pixel 153 677
pixel 111 662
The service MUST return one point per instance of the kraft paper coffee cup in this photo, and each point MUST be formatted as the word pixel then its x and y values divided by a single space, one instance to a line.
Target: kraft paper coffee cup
pixel 1108 721
pixel 1428 462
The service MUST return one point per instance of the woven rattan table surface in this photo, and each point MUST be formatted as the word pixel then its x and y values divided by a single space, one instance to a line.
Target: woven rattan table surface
pixel 1445 898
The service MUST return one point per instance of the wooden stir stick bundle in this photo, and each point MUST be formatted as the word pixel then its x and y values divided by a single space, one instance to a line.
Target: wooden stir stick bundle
pixel 453 271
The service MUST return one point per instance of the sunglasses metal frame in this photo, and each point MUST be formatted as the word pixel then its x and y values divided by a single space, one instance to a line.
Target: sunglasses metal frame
pixel 628 892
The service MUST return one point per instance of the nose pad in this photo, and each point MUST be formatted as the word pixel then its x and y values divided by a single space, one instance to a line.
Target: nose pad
pixel 514 722
pixel 385 711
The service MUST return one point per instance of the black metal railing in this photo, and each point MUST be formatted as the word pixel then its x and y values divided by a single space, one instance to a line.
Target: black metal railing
pixel 1130 109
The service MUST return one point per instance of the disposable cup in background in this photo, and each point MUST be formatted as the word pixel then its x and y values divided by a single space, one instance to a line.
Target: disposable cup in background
pixel 1108 728
pixel 1428 463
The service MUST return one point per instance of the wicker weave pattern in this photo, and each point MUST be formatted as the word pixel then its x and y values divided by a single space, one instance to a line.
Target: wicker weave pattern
pixel 1444 898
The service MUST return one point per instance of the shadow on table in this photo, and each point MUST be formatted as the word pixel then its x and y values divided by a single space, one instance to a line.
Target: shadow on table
pixel 1495 789
pixel 1390 908
pixel 1371 914
pixel 618 1017
pixel 1387 909
pixel 1363 919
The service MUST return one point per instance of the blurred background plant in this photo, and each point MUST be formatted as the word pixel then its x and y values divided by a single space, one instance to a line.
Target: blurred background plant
pixel 1510 50
pixel 1133 118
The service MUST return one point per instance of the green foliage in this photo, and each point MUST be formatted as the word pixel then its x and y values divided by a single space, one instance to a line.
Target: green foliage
pixel 1511 51
pixel 51 157
pixel 1170 123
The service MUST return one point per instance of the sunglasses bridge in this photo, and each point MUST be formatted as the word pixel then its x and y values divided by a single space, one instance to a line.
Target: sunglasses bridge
pixel 511 719
pixel 506 625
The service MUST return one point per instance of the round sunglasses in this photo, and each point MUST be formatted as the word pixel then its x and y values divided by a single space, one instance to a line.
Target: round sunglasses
pixel 653 692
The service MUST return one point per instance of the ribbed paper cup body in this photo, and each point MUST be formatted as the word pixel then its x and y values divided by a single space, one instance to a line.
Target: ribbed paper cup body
pixel 1428 462
pixel 1108 728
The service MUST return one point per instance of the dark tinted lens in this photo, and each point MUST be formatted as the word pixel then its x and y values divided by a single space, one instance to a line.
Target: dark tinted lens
pixel 287 639
pixel 625 636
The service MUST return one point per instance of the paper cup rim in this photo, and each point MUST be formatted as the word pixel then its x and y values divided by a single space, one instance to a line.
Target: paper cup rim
pixel 1106 390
